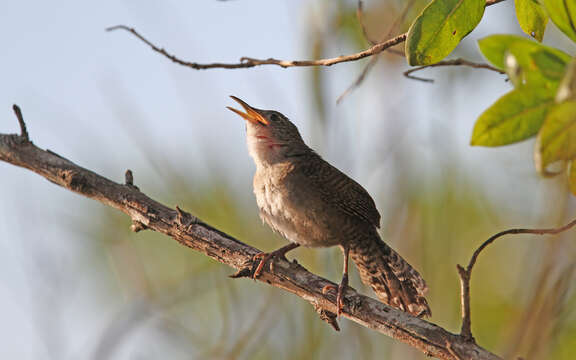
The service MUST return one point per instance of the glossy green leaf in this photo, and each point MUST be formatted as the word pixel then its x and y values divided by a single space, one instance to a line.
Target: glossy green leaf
pixel 439 29
pixel 548 64
pixel 557 138
pixel 532 18
pixel 529 72
pixel 525 61
pixel 514 117
pixel 563 14
pixel 495 47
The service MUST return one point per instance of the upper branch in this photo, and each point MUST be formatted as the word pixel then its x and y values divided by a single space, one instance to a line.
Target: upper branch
pixel 248 62
pixel 194 233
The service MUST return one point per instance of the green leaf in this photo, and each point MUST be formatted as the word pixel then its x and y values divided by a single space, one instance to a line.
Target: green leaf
pixel 557 138
pixel 516 55
pixel 529 72
pixel 548 64
pixel 495 48
pixel 563 14
pixel 532 18
pixel 514 117
pixel 439 29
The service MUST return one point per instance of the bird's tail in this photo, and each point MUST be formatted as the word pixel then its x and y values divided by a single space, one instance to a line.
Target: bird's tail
pixel 394 281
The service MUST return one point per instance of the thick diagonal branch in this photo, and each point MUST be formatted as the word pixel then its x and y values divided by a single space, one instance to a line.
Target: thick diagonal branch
pixel 193 233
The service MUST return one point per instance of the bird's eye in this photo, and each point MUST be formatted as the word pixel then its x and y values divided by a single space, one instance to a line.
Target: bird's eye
pixel 274 117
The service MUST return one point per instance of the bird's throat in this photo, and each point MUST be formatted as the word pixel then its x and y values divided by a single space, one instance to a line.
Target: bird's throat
pixel 265 150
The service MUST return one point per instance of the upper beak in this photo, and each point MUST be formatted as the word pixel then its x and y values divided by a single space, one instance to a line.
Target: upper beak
pixel 253 115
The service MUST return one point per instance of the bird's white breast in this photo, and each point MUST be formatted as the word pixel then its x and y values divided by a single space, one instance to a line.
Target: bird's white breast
pixel 283 212
pixel 275 207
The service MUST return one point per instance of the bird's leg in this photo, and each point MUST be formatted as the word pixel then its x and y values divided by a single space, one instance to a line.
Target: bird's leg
pixel 343 283
pixel 264 257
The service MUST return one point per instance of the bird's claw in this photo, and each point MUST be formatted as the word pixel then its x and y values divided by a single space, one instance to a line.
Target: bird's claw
pixel 328 288
pixel 258 270
pixel 339 296
pixel 263 259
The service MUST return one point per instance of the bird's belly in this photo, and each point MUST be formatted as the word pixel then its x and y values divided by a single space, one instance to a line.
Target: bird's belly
pixel 293 219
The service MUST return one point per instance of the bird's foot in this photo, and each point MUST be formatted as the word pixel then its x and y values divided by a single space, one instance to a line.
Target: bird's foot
pixel 339 295
pixel 264 257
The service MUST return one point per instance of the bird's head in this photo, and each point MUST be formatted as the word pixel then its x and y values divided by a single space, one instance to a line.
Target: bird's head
pixel 271 137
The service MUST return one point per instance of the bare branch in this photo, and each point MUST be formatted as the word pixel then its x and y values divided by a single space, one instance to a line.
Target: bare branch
pixel 248 62
pixel 454 62
pixel 195 234
pixel 466 274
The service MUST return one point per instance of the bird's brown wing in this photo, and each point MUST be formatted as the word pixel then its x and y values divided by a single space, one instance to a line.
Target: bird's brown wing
pixel 338 189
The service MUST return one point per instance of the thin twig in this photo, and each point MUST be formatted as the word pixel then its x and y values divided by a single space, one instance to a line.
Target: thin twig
pixel 23 130
pixel 466 274
pixel 359 80
pixel 400 20
pixel 247 62
pixel 368 67
pixel 454 62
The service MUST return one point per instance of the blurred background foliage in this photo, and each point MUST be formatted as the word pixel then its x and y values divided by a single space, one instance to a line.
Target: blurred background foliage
pixel 153 298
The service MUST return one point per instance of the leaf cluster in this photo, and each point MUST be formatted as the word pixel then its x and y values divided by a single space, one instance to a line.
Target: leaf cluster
pixel 542 102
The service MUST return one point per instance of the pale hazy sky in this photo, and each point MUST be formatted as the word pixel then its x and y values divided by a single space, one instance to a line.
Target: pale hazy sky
pixel 100 98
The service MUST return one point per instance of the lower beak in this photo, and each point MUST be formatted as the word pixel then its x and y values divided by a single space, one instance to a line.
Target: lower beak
pixel 253 115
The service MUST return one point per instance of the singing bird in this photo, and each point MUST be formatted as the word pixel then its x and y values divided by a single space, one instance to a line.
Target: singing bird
pixel 311 203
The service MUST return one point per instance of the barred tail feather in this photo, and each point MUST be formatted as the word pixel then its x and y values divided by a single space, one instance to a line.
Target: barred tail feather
pixel 394 281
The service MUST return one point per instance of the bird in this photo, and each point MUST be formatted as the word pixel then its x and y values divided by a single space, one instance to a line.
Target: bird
pixel 311 203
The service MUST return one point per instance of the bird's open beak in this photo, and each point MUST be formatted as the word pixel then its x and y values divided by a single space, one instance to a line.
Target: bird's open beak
pixel 251 114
